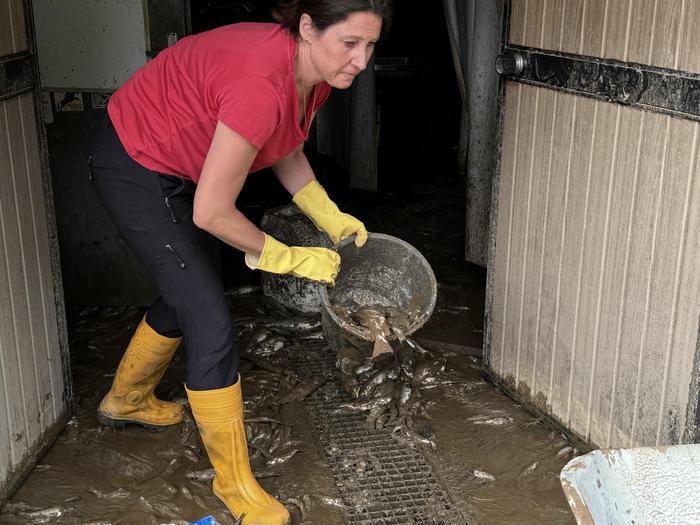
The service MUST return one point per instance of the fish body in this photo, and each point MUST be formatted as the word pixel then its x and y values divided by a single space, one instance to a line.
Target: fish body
pixel 363 406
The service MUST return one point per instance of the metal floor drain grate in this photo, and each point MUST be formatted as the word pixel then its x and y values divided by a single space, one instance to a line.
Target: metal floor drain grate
pixel 380 479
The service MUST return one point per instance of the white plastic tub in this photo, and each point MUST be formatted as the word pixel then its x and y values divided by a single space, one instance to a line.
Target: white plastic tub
pixel 640 486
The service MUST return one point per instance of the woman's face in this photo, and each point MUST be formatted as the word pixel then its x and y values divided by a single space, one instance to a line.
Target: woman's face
pixel 340 52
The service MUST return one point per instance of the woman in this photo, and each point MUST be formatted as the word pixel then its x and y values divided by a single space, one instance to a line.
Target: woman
pixel 168 163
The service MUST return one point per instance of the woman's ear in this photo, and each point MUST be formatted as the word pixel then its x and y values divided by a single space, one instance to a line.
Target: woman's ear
pixel 306 27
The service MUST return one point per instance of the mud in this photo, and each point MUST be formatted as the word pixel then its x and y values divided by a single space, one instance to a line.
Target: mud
pixel 498 463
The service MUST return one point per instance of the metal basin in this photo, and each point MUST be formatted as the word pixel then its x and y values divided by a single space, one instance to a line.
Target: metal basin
pixel 386 272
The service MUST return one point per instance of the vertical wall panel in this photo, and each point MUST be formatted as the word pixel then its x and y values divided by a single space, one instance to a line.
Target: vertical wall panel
pixel 505 197
pixel 572 26
pixel 518 231
pixel 689 56
pixel 595 18
pixel 539 175
pixel 624 179
pixel 671 226
pixel 549 283
pixel 666 27
pixel 553 20
pixel 47 329
pixel 11 363
pixel 618 27
pixel 596 217
pixel 19 29
pixel 518 19
pixel 7 45
pixel 30 212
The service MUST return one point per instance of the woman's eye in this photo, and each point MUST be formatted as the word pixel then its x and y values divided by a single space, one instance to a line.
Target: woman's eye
pixel 349 44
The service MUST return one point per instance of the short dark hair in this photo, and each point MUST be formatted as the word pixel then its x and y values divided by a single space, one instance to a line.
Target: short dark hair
pixel 325 13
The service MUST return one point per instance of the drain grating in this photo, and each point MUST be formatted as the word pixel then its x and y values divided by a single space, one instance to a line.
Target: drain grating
pixel 380 479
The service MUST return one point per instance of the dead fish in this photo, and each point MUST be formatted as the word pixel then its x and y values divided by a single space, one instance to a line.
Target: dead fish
pixel 302 391
pixel 403 398
pixel 268 347
pixel 262 363
pixel 428 369
pixel 378 416
pixel 278 460
pixel 565 451
pixel 172 467
pixel 363 406
pixel 455 309
pixel 296 325
pixel 263 420
pixel 417 438
pixel 362 369
pixel 482 474
pixel 407 360
pixel 203 476
pixel 485 420
pixel 529 469
pixel 374 380
pixel 46 515
pixel 425 354
pixel 242 291
pixel 190 455
pixel 350 385
pixel 112 496
pixel 348 359
pixel 312 336
pixel 388 388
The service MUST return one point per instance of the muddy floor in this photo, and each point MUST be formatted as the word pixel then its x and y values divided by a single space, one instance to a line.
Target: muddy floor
pixel 498 464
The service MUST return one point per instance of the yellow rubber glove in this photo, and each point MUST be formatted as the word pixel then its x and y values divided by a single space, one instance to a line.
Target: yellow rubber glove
pixel 319 264
pixel 313 200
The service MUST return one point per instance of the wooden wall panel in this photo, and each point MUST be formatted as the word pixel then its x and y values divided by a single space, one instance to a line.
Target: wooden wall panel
pixel 32 387
pixel 48 328
pixel 538 175
pixel 13 38
pixel 505 222
pixel 549 282
pixel 597 274
pixel 624 172
pixel 661 33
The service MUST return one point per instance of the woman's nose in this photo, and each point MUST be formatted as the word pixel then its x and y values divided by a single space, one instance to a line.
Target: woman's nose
pixel 361 58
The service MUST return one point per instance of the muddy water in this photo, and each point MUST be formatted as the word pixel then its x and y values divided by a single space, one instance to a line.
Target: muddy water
pixel 498 463
pixel 94 475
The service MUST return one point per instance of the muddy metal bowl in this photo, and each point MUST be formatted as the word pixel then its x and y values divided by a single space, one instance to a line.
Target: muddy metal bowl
pixel 386 271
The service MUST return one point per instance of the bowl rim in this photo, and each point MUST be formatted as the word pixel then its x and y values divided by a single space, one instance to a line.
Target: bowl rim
pixel 323 291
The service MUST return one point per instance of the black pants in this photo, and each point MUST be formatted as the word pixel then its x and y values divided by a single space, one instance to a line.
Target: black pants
pixel 153 213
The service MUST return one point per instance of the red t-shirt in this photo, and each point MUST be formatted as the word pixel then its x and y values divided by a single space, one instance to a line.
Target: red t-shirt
pixel 241 74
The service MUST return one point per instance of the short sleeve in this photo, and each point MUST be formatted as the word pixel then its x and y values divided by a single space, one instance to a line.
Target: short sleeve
pixel 251 107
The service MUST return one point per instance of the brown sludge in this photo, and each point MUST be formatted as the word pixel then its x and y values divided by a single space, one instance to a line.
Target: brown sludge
pixel 496 461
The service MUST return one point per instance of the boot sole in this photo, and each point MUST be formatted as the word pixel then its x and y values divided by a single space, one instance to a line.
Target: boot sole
pixel 121 423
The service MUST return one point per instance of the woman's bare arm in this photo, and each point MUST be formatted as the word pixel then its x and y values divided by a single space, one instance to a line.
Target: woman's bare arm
pixel 223 175
pixel 294 171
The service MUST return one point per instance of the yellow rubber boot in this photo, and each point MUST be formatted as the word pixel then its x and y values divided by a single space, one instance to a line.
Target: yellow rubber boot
pixel 219 416
pixel 131 398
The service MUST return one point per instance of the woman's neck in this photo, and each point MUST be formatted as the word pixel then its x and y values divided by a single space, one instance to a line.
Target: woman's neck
pixel 305 74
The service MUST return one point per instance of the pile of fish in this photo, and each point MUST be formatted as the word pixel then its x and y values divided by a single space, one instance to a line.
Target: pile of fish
pixel 388 386
pixel 386 382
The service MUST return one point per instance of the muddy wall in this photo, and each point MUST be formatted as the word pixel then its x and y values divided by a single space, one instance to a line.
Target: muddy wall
pixel 594 310
pixel 33 390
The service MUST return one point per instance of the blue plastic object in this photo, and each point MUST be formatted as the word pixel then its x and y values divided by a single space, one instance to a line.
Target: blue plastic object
pixel 209 520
